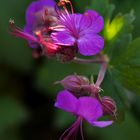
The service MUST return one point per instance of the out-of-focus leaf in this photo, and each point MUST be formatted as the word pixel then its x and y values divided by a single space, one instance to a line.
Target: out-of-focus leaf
pixel 113 89
pixel 124 73
pixel 63 119
pixel 11 133
pixel 14 51
pixel 119 48
pixel 103 7
pixel 11 113
pixel 128 67
pixel 113 28
pixel 128 130
pixel 80 6
pixel 118 27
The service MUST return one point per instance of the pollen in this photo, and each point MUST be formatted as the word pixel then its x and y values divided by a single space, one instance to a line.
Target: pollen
pixel 37 33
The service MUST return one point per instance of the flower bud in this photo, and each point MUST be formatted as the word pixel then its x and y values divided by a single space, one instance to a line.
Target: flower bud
pixel 109 106
pixel 76 84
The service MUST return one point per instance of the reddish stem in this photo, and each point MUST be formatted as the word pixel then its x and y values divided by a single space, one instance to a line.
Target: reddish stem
pixel 101 74
pixel 85 61
pixel 103 60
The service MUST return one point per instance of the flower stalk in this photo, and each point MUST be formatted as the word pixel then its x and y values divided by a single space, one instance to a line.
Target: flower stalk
pixel 103 60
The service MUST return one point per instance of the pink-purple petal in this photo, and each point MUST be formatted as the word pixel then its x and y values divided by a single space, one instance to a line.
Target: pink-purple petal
pixel 66 101
pixel 32 9
pixel 101 123
pixel 90 44
pixel 63 38
pixel 89 108
pixel 97 21
pixel 72 23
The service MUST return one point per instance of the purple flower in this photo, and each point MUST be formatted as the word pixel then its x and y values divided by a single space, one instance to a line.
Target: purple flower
pixel 40 15
pixel 81 30
pixel 87 108
pixel 36 17
pixel 33 9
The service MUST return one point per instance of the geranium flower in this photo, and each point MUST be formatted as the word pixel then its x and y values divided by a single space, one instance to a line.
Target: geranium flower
pixel 80 30
pixel 40 15
pixel 87 108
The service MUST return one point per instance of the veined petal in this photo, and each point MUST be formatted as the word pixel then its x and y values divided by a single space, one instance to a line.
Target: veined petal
pixel 90 44
pixel 89 108
pixel 63 38
pixel 97 21
pixel 66 101
pixel 101 123
pixel 72 23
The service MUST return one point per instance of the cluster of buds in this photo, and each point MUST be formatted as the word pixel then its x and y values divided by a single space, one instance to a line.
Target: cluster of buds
pixel 81 86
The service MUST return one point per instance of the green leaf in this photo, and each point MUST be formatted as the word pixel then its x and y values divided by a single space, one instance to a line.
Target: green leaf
pixel 128 130
pixel 80 5
pixel 118 27
pixel 112 88
pixel 103 7
pixel 113 28
pixel 123 73
pixel 128 67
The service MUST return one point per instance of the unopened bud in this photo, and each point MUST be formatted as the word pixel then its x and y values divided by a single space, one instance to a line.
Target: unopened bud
pixel 109 106
pixel 75 84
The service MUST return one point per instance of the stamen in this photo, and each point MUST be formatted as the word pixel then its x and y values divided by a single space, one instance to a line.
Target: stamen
pixel 63 4
pixel 11 21
pixel 57 28
pixel 81 130
pixel 72 130
pixel 72 10
pixel 16 31
pixel 65 9
pixel 46 45
pixel 40 38
pixel 66 131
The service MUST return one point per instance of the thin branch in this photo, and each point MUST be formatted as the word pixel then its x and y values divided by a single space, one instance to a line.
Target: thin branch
pixel 101 74
pixel 85 61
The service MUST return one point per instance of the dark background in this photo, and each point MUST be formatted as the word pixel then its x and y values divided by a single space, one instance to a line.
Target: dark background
pixel 27 93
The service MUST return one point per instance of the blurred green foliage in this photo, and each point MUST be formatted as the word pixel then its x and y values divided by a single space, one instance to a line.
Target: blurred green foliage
pixel 27 92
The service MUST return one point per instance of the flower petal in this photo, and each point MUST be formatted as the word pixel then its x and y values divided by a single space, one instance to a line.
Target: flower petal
pixel 32 9
pixel 101 123
pixel 90 44
pixel 71 22
pixel 89 108
pixel 63 38
pixel 97 21
pixel 66 101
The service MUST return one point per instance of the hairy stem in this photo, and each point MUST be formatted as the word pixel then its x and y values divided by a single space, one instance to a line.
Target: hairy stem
pixel 102 59
pixel 86 61
pixel 101 74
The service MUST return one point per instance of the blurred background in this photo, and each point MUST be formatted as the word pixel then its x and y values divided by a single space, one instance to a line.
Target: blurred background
pixel 27 92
